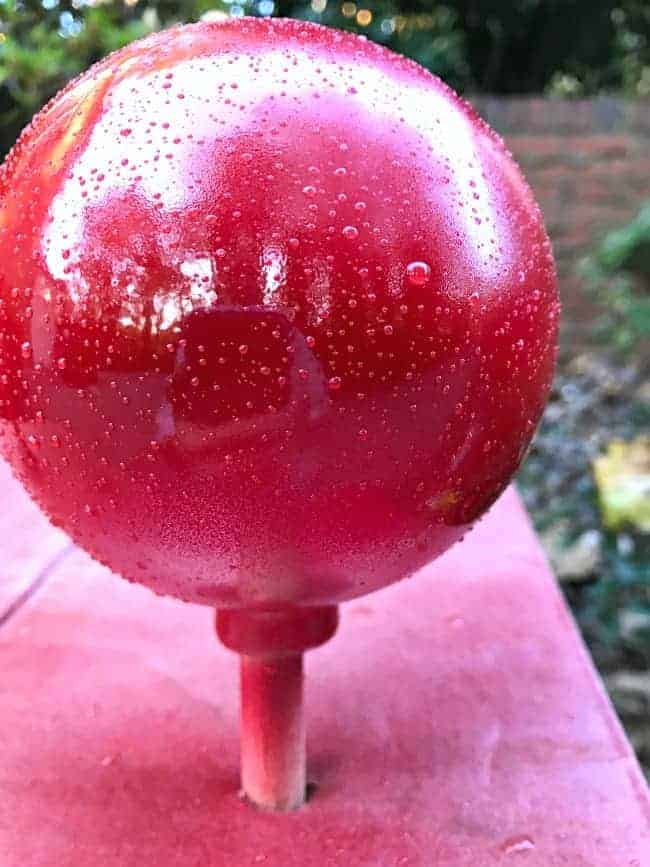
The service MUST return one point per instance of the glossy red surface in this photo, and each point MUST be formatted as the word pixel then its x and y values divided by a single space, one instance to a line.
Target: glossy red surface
pixel 277 314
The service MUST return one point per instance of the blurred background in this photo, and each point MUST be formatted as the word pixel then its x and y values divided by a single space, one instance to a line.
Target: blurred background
pixel 567 83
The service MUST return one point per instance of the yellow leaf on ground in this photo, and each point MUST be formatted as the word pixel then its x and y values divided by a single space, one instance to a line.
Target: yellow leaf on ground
pixel 622 476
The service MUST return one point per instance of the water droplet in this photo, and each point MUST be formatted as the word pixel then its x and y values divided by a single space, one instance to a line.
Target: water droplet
pixel 418 273
pixel 61 363
pixel 309 190
pixel 388 330
pixel 243 349
pixel 334 383
pixel 350 232
pixel 517 845
pixel 26 349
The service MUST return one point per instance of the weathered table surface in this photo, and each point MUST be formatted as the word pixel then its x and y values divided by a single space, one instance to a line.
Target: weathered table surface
pixel 456 719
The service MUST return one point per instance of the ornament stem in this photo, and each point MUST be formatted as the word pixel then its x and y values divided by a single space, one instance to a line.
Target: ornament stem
pixel 273 751
pixel 271 644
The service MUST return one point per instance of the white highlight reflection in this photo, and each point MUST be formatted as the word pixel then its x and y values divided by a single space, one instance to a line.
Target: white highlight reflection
pixel 164 156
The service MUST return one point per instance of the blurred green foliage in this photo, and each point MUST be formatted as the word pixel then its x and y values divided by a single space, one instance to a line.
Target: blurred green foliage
pixel 597 399
pixel 600 403
pixel 594 401
pixel 617 275
pixel 563 47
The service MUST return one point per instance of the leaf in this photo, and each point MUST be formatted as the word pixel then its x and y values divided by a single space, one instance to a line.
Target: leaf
pixel 622 477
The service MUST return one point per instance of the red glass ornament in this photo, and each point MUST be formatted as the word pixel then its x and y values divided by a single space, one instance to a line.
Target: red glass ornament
pixel 278 315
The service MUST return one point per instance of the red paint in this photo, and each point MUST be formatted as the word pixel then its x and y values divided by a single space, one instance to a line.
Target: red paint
pixel 278 632
pixel 272 731
pixel 278 314
pixel 453 718
pixel 271 644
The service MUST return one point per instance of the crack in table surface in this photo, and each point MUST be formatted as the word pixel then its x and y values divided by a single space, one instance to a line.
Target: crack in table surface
pixel 36 583
pixel 31 549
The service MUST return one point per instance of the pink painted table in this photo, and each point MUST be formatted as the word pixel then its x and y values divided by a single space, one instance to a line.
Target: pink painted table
pixel 454 721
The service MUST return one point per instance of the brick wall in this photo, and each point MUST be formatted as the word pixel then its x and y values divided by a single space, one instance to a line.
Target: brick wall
pixel 589 164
